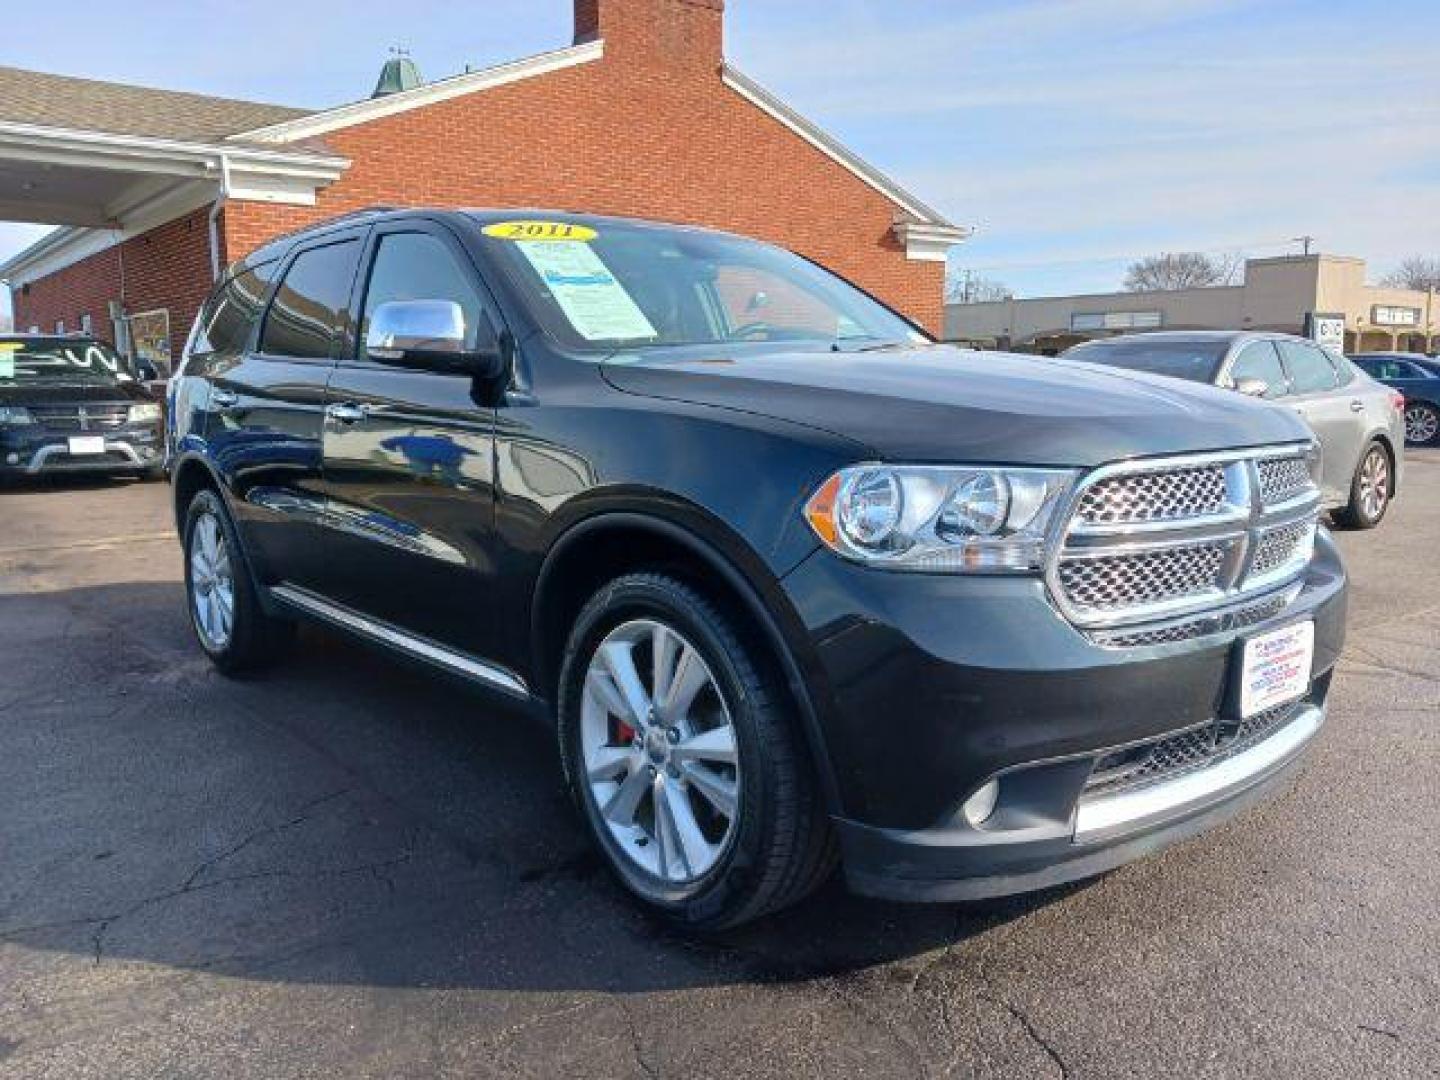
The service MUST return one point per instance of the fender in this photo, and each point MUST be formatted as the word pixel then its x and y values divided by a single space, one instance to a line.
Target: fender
pixel 764 614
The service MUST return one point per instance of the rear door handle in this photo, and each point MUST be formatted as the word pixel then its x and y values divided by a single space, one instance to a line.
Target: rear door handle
pixel 346 413
pixel 1357 405
pixel 224 399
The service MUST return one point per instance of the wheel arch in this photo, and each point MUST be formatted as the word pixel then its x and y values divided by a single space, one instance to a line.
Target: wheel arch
pixel 606 544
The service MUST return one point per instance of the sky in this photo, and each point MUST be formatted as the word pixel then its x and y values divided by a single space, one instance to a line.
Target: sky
pixel 1073 135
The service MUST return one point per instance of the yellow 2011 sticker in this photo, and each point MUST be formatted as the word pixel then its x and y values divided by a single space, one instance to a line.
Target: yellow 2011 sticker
pixel 539 230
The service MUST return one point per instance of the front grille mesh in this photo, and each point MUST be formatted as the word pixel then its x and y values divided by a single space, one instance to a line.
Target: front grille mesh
pixel 1154 496
pixel 1174 755
pixel 1282 478
pixel 1278 547
pixel 1113 582
pixel 1200 626
pixel 67 417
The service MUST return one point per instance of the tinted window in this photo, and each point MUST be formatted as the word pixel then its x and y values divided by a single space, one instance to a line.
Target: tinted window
pixel 1310 368
pixel 417 266
pixel 1387 367
pixel 61 361
pixel 1258 360
pixel 307 316
pixel 233 309
pixel 1198 361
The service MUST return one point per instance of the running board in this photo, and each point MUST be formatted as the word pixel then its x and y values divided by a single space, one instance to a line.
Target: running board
pixel 383 633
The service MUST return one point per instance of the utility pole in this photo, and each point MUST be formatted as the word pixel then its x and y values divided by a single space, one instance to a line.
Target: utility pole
pixel 1306 240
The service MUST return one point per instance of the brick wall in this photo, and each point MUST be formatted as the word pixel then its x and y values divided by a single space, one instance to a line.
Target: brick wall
pixel 167 267
pixel 650 130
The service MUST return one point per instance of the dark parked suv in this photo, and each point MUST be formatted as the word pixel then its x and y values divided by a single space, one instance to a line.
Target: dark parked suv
pixel 796 584
pixel 73 404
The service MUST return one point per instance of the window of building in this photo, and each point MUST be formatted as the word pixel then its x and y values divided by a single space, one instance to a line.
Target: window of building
pixel 308 315
pixel 1259 360
pixel 232 310
pixel 59 326
pixel 1310 367
pixel 85 323
pixel 418 266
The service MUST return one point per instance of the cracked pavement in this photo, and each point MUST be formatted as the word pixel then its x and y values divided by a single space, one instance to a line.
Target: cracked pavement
pixel 349 867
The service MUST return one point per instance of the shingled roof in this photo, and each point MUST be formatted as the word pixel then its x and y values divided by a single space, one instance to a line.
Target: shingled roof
pixel 61 101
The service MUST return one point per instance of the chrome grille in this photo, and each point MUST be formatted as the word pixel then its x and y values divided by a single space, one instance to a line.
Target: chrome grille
pixel 1111 582
pixel 1163 759
pixel 1282 478
pixel 1187 537
pixel 1154 496
pixel 79 417
pixel 1281 546
pixel 1189 628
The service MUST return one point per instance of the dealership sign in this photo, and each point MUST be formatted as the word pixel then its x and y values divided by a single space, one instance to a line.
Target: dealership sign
pixel 1115 320
pixel 1390 315
pixel 1326 330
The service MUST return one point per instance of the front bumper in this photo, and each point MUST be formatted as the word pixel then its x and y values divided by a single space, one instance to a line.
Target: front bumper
pixel 929 686
pixel 35 451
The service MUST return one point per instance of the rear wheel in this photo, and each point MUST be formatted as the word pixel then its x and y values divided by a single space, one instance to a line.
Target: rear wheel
pixel 1422 423
pixel 683 755
pixel 225 611
pixel 1370 490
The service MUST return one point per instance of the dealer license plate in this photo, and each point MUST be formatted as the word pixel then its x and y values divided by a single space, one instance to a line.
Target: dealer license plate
pixel 87 444
pixel 1276 668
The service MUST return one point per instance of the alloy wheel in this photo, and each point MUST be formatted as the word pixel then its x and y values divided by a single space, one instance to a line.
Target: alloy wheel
pixel 660 752
pixel 1422 424
pixel 212 583
pixel 1374 483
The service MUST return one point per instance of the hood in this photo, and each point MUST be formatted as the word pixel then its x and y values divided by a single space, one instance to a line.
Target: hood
pixel 939 404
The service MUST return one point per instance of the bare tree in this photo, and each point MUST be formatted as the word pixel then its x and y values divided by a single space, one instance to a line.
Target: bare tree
pixel 1182 270
pixel 1416 272
pixel 968 287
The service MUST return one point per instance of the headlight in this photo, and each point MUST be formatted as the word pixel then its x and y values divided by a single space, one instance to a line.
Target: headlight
pixel 145 413
pixel 14 416
pixel 939 518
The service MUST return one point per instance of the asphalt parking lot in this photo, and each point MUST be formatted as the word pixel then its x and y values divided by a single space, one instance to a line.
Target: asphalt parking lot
pixel 347 868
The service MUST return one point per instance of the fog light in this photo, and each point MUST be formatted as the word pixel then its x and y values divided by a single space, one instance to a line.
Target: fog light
pixel 12 459
pixel 147 452
pixel 981 805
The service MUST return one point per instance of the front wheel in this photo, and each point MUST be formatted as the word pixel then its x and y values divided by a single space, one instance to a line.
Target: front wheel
pixel 683 754
pixel 1370 490
pixel 1422 423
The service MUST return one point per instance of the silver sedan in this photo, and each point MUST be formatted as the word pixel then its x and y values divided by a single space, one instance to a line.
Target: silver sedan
pixel 1359 423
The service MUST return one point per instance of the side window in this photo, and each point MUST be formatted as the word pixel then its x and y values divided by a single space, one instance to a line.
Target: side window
pixel 228 318
pixel 308 314
pixel 1258 360
pixel 1310 368
pixel 418 266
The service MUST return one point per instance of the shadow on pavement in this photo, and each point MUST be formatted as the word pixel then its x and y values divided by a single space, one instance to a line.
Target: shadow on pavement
pixel 342 818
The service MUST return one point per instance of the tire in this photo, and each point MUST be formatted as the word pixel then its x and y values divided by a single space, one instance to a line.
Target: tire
pixel 1422 424
pixel 776 844
pixel 214 565
pixel 1370 489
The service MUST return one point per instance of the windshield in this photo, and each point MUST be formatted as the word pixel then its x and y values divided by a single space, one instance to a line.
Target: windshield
pixel 611 284
pixel 61 361
pixel 1198 361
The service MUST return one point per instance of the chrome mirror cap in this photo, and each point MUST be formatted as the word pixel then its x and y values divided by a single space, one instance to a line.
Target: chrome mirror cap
pixel 401 327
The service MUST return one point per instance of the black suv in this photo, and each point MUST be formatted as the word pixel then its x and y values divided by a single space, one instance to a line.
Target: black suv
pixel 797 584
pixel 73 404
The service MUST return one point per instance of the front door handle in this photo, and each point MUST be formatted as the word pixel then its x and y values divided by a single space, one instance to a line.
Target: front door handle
pixel 346 412
pixel 224 399
pixel 1357 405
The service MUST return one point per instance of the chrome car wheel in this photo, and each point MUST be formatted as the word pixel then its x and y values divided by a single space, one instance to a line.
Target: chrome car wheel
pixel 212 583
pixel 659 751
pixel 1422 424
pixel 1374 483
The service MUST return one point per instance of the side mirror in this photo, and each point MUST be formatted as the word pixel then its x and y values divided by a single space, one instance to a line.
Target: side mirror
pixel 1252 387
pixel 145 371
pixel 429 335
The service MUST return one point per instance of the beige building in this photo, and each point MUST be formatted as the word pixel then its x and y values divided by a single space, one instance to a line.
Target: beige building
pixel 1297 294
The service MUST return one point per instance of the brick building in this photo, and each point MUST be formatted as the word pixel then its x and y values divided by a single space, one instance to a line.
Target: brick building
pixel 156 190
